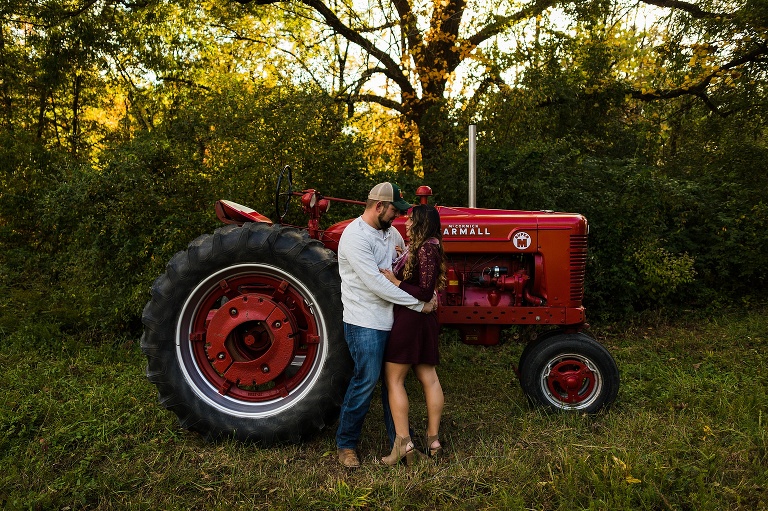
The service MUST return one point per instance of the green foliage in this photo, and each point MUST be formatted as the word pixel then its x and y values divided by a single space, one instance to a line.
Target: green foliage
pixel 722 159
pixel 251 133
pixel 27 171
pixel 661 272
pixel 93 237
pixel 111 231
pixel 654 241
pixel 675 204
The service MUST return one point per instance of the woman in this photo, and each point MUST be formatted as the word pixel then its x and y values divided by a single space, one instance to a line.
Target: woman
pixel 420 271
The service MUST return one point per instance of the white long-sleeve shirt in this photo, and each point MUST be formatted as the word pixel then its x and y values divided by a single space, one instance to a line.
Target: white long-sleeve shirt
pixel 366 294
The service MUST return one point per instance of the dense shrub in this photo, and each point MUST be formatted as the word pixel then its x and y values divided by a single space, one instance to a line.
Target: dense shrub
pixel 84 248
pixel 112 230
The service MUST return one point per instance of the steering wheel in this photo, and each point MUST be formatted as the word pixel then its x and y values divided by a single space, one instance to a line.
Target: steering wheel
pixel 283 198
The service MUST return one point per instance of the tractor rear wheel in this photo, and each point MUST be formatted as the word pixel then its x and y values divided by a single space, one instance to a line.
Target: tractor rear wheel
pixel 569 372
pixel 243 335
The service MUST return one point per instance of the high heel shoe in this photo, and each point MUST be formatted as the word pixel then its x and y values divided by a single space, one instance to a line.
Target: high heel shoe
pixel 433 451
pixel 403 448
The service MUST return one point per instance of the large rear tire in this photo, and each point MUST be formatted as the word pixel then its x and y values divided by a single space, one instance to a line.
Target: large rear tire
pixel 244 337
pixel 569 372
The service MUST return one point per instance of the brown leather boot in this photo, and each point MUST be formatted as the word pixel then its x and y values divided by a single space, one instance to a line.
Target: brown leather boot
pixel 348 458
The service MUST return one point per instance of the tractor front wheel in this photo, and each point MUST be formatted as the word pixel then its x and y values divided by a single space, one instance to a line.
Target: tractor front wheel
pixel 244 338
pixel 570 372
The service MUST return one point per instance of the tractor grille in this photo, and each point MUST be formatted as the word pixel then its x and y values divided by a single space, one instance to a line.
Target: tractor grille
pixel 578 266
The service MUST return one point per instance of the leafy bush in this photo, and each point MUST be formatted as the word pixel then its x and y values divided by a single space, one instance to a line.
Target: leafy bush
pixel 662 272
pixel 28 170
pixel 654 241
pixel 112 230
pixel 93 237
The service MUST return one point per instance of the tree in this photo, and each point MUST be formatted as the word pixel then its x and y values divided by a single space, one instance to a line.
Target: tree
pixel 418 47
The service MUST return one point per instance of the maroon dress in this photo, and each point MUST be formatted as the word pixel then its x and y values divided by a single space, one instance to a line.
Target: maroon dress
pixel 413 339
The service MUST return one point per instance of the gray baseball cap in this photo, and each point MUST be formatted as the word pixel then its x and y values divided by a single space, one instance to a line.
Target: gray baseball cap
pixel 389 192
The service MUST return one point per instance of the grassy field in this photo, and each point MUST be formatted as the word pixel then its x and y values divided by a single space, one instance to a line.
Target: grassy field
pixel 80 428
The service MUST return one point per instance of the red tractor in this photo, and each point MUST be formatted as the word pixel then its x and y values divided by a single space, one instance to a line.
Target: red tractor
pixel 243 334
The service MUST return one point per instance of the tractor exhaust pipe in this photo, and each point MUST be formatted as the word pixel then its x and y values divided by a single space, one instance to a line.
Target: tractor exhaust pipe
pixel 472 166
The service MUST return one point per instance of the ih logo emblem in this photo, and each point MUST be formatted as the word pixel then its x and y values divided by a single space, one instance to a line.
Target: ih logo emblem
pixel 522 240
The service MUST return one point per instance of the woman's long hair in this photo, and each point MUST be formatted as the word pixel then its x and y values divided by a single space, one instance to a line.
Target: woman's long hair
pixel 425 224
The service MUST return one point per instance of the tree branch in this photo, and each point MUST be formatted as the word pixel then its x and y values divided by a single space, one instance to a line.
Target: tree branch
pixel 385 102
pixel 408 23
pixel 502 22
pixel 692 9
pixel 355 95
pixel 239 37
pixel 700 89
pixel 185 82
pixel 392 69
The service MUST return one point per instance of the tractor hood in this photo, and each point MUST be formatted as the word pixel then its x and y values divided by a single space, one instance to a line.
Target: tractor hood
pixel 486 230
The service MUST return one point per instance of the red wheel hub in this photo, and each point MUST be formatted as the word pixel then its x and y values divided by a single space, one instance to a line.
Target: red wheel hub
pixel 239 311
pixel 254 337
pixel 572 381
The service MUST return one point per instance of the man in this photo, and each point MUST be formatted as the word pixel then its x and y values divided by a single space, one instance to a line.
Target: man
pixel 366 245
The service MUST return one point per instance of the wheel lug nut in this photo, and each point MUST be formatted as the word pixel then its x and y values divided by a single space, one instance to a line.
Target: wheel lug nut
pixel 265 369
pixel 221 356
pixel 233 312
pixel 277 324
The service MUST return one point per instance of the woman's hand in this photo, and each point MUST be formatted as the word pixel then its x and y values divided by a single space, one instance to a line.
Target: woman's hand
pixel 390 276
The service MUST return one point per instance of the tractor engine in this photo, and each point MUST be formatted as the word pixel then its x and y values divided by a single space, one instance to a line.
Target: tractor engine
pixel 489 283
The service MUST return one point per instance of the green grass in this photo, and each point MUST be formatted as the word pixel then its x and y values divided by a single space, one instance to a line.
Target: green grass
pixel 80 428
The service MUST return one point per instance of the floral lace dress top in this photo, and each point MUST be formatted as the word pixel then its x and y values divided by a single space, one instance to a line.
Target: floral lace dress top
pixel 413 339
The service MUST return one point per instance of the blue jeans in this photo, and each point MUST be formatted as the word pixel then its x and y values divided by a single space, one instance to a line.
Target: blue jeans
pixel 366 346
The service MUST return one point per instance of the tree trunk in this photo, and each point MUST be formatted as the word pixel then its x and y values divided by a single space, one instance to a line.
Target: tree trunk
pixel 75 133
pixel 6 89
pixel 433 125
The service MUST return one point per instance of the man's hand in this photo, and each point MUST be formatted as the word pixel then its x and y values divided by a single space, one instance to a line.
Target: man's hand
pixel 431 305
